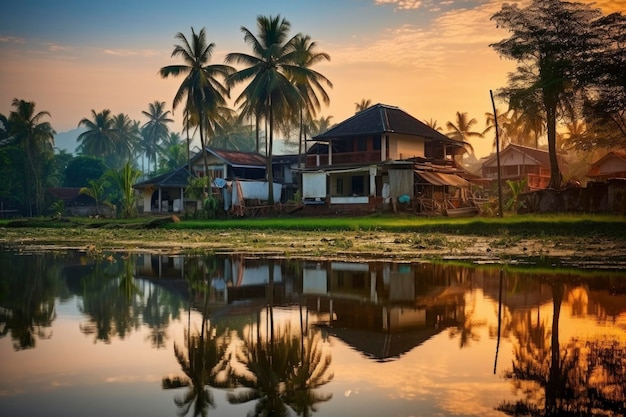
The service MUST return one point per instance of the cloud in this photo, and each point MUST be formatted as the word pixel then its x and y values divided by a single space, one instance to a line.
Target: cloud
pixel 129 52
pixel 401 4
pixel 11 39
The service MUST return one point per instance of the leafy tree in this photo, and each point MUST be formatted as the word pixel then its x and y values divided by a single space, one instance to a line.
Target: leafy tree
pixel 36 138
pixel 201 89
pixel 155 130
pixel 174 152
pixel 233 133
pixel 268 68
pixel 83 168
pixel 549 39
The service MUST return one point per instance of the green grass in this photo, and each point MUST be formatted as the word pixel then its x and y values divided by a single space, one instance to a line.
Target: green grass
pixel 507 227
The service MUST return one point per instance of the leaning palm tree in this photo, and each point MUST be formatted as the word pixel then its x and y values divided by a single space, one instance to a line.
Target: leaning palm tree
pixel 309 83
pixel 201 90
pixel 362 105
pixel 155 129
pixel 273 58
pixel 462 130
pixel 24 126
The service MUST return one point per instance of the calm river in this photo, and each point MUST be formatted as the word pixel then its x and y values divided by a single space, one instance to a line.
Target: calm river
pixel 104 334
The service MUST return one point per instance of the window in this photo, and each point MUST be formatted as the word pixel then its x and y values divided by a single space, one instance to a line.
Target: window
pixel 339 186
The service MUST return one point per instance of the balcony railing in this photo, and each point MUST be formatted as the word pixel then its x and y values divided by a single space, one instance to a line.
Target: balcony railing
pixel 343 158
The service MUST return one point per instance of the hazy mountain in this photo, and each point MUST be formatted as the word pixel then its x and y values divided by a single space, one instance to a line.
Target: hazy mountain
pixel 67 140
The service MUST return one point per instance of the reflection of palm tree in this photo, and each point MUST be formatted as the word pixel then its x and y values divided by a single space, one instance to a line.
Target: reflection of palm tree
pixel 311 373
pixel 467 330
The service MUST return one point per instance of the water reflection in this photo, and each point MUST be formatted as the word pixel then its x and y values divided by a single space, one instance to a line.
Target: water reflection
pixel 258 336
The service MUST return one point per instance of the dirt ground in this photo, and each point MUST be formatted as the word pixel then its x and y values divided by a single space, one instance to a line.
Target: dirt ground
pixel 326 245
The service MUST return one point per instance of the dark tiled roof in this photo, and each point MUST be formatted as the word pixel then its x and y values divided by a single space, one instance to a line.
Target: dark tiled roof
pixel 177 178
pixel 65 193
pixel 380 119
pixel 238 158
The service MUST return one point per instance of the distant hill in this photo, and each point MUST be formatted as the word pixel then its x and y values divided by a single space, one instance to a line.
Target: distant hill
pixel 67 140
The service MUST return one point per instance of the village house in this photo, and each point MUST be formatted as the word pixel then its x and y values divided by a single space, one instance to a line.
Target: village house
pixel 384 156
pixel 519 163
pixel 166 192
pixel 610 166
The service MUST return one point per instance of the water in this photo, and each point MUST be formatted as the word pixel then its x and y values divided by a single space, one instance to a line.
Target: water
pixel 103 334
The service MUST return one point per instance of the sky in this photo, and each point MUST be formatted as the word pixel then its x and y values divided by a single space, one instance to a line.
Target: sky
pixel 431 58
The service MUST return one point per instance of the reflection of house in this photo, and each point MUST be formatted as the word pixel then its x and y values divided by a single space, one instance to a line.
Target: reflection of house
pixel 370 158
pixel 383 309
pixel 165 193
pixel 611 165
pixel 519 163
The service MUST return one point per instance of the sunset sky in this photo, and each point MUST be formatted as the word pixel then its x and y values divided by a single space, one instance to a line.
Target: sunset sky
pixel 429 57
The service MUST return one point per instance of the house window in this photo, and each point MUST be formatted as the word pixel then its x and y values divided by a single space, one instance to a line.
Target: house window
pixel 358 185
pixel 339 186
pixel 377 143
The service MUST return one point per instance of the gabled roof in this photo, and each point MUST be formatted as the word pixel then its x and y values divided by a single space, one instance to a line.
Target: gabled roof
pixel 619 155
pixel 382 118
pixel 176 178
pixel 236 158
pixel 539 156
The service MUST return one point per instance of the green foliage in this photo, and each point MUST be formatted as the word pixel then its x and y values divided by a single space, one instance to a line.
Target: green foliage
pixel 57 208
pixel 123 180
pixel 83 168
pixel 516 188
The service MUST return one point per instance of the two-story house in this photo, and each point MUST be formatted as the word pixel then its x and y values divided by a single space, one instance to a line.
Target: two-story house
pixel 378 156
pixel 519 163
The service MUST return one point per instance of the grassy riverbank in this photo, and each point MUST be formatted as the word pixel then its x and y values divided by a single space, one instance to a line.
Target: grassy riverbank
pixel 569 238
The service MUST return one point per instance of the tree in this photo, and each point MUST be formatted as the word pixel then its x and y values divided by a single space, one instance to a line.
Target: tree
pixel 126 137
pixel 462 130
pixel 268 68
pixel 547 39
pixel 155 130
pixel 83 168
pixel 362 105
pixel 123 179
pixel 36 138
pixel 433 125
pixel 96 190
pixel 174 152
pixel 99 138
pixel 309 83
pixel 201 89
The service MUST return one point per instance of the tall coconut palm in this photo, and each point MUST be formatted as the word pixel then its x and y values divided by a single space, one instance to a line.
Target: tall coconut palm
pixel 36 137
pixel 99 138
pixel 362 105
pixel 155 129
pixel 202 89
pixel 309 83
pixel 127 138
pixel 462 130
pixel 504 126
pixel 268 68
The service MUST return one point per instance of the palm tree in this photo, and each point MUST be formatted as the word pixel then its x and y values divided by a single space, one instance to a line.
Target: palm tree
pixel 25 127
pixel 362 105
pixel 433 125
pixel 126 136
pixel 124 179
pixel 201 89
pixel 173 149
pixel 503 127
pixel 268 68
pixel 309 83
pixel 461 131
pixel 99 138
pixel 155 129
pixel 96 190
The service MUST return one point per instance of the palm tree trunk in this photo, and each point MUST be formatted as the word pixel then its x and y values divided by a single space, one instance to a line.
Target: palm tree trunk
pixel 270 173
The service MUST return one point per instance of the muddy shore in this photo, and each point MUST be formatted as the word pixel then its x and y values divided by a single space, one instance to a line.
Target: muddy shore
pixel 376 245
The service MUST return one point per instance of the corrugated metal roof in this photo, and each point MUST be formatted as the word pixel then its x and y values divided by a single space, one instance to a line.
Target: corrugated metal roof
pixel 440 178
